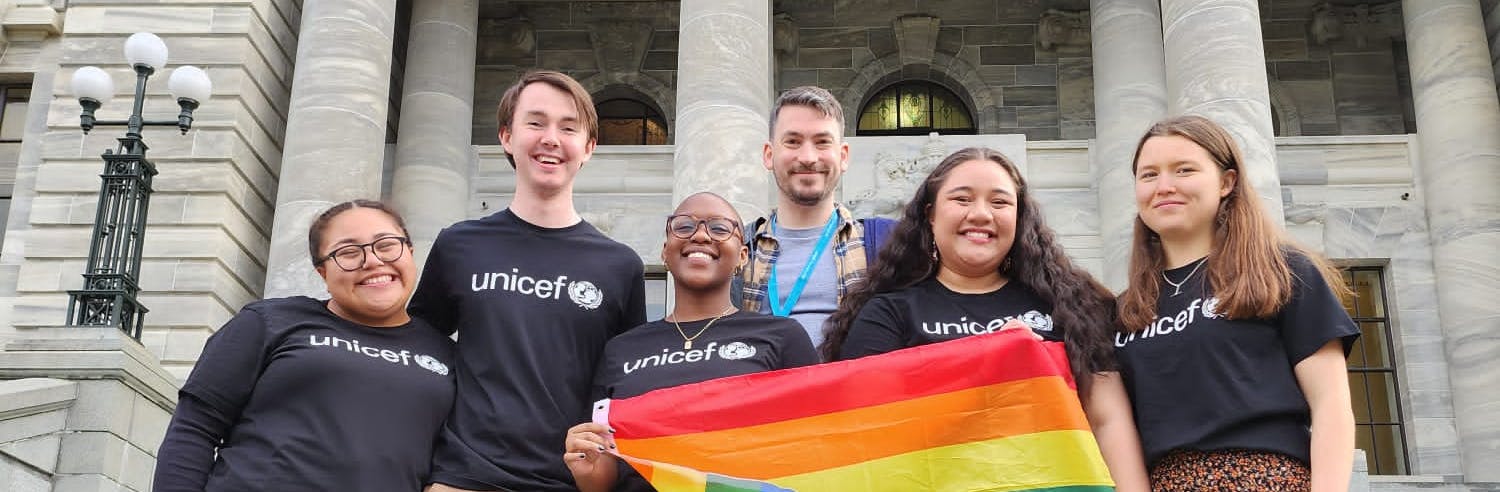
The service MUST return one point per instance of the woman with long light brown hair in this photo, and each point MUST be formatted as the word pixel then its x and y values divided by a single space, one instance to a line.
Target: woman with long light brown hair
pixel 1235 337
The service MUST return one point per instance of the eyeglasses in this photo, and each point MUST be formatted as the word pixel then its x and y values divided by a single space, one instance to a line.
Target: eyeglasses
pixel 352 257
pixel 684 226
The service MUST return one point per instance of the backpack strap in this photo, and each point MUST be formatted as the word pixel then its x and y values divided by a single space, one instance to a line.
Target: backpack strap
pixel 876 230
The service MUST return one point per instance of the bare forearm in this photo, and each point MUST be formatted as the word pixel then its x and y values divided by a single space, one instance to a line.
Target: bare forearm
pixel 1109 413
pixel 1121 448
pixel 1332 450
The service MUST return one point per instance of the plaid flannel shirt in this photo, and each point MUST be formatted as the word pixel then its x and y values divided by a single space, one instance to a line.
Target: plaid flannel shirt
pixel 848 258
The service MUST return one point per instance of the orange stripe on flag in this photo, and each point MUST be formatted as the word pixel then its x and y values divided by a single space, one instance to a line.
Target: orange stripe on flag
pixel 809 444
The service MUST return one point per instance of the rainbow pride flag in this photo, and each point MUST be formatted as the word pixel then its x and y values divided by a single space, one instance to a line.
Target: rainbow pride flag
pixel 990 412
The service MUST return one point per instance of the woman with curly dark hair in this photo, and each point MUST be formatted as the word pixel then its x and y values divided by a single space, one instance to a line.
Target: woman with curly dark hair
pixel 972 253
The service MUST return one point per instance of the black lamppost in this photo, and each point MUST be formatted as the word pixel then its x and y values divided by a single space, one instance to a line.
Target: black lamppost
pixel 114 265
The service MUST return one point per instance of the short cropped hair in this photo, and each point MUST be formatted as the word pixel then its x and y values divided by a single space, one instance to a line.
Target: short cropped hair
pixel 812 97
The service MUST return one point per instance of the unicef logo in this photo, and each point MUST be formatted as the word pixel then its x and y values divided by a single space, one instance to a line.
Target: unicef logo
pixel 430 363
pixel 1037 321
pixel 1211 308
pixel 736 351
pixel 585 294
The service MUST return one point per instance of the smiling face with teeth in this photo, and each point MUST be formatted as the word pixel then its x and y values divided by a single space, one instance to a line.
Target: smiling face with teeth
pixel 699 263
pixel 547 140
pixel 375 294
pixel 973 219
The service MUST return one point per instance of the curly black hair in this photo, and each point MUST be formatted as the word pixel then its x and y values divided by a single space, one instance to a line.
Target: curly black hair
pixel 1082 307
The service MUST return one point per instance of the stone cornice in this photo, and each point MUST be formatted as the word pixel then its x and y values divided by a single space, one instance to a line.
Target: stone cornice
pixel 71 353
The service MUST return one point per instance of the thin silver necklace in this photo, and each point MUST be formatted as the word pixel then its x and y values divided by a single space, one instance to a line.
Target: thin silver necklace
pixel 1177 286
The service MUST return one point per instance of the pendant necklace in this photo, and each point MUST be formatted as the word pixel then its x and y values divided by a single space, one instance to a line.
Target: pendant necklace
pixel 687 341
pixel 1177 286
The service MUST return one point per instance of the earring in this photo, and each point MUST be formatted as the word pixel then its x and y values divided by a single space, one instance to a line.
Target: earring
pixel 1006 267
pixel 934 250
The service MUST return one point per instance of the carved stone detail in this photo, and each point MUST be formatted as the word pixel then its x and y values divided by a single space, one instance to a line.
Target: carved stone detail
pixel 1331 22
pixel 896 179
pixel 916 38
pixel 620 46
pixel 784 35
pixel 507 39
pixel 1063 28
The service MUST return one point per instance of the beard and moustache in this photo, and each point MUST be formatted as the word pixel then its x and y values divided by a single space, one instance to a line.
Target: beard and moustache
pixel 806 196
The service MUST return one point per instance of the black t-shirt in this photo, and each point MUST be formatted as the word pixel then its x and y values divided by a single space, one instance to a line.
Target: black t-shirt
pixel 652 356
pixel 929 312
pixel 533 308
pixel 296 398
pixel 1199 381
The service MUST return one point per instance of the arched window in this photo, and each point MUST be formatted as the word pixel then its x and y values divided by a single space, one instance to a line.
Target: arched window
pixel 915 107
pixel 630 122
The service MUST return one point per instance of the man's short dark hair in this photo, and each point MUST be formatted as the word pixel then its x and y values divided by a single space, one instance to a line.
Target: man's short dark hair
pixel 812 97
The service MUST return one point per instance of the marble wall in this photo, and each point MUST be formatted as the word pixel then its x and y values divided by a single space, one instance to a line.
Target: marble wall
pixel 210 218
pixel 1358 200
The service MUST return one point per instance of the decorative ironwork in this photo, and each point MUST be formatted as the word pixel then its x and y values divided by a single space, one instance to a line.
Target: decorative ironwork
pixel 110 285
pixel 109 290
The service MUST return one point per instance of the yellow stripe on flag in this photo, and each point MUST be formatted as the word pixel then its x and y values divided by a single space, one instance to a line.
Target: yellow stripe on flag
pixel 1031 461
pixel 667 477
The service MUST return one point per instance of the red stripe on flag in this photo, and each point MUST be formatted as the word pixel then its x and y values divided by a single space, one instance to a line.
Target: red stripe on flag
pixel 784 395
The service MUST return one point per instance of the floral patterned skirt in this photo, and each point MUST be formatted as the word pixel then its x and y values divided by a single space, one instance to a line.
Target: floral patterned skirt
pixel 1237 470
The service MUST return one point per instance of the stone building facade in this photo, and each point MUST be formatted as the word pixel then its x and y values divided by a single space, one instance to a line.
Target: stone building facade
pixel 1372 127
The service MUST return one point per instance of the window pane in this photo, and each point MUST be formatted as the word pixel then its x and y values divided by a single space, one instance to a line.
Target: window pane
pixel 915 107
pixel 623 108
pixel 620 132
pixel 13 119
pixel 1392 446
pixel 949 113
pixel 1359 397
pixel 656 132
pixel 1367 285
pixel 1357 354
pixel 1382 395
pixel 1373 338
pixel 880 113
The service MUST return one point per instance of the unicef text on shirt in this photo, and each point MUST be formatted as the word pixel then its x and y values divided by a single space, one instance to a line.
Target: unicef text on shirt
pixel 581 292
pixel 1033 319
pixel 1167 325
pixel 403 357
pixel 730 351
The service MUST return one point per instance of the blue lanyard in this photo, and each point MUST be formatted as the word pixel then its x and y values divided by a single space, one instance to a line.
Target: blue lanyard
pixel 783 309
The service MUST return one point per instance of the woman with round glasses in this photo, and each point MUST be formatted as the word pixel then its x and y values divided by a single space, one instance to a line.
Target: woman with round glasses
pixel 704 337
pixel 302 394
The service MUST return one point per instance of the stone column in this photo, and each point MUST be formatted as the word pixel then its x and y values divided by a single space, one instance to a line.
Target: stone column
pixel 1458 129
pixel 434 151
pixel 1130 94
pixel 1216 68
pixel 723 101
pixel 335 128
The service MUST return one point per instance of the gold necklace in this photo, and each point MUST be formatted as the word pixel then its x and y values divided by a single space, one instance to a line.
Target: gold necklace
pixel 687 341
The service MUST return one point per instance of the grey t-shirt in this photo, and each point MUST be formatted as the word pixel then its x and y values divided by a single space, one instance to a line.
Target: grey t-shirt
pixel 821 295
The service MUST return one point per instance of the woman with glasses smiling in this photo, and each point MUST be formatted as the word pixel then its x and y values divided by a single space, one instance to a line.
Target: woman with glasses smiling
pixel 302 394
pixel 704 337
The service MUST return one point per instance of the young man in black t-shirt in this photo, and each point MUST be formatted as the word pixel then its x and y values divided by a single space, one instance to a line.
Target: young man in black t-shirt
pixel 534 292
